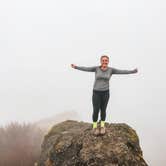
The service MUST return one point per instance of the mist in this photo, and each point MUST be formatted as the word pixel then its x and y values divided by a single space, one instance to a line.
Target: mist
pixel 39 40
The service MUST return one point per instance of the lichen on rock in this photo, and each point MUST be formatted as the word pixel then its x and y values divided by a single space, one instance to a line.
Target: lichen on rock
pixel 72 143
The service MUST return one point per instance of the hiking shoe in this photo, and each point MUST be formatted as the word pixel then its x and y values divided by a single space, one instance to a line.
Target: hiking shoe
pixel 96 131
pixel 102 130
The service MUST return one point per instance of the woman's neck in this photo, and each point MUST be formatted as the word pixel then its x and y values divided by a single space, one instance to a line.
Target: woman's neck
pixel 103 67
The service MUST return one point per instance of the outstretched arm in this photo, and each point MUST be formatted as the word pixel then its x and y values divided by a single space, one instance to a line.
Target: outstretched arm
pixel 118 71
pixel 83 68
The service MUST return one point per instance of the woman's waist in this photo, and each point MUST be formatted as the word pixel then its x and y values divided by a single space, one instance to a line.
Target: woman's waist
pixel 100 91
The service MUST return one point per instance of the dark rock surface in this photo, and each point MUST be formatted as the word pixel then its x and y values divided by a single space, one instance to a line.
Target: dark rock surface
pixel 72 143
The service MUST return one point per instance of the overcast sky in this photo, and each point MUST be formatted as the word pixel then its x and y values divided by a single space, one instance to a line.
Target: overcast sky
pixel 40 39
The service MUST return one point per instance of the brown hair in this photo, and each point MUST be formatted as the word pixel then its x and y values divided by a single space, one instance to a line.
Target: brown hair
pixel 104 56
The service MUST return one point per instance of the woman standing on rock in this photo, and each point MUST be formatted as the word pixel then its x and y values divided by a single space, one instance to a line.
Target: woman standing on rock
pixel 101 93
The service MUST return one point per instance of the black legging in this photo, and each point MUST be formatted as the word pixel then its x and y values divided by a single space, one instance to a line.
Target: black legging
pixel 100 101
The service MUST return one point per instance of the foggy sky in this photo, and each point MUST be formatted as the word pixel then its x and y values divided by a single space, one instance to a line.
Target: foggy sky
pixel 40 39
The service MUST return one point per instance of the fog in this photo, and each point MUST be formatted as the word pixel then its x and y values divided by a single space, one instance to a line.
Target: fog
pixel 40 39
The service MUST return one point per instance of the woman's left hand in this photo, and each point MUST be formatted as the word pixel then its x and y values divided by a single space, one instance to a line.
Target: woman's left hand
pixel 135 70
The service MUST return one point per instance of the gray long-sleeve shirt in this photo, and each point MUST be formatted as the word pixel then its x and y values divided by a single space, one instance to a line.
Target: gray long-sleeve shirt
pixel 102 77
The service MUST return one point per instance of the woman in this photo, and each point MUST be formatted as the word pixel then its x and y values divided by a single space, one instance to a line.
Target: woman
pixel 101 95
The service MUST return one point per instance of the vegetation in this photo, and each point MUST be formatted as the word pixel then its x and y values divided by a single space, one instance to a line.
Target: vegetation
pixel 20 144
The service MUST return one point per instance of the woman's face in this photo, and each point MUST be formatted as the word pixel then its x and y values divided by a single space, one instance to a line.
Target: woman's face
pixel 104 61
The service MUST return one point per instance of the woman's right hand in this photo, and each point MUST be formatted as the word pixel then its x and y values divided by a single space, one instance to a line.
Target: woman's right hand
pixel 73 66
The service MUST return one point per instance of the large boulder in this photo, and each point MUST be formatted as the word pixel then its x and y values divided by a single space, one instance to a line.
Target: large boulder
pixel 72 143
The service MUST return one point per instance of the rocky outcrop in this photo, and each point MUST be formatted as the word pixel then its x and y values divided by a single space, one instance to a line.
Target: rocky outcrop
pixel 72 143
